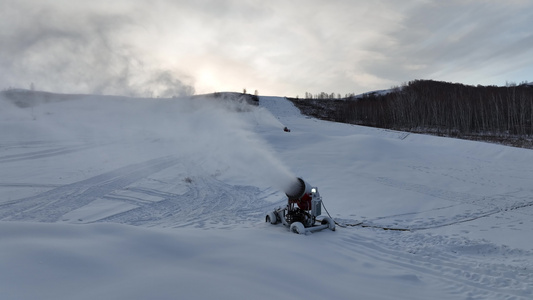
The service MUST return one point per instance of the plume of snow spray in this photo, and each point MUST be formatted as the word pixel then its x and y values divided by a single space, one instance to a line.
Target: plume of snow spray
pixel 224 139
pixel 213 137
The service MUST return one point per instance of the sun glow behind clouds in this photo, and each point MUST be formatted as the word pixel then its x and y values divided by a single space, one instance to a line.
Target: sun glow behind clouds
pixel 209 81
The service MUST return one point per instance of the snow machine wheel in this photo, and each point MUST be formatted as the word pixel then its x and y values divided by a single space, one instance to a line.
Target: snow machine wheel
pixel 271 218
pixel 298 228
pixel 330 222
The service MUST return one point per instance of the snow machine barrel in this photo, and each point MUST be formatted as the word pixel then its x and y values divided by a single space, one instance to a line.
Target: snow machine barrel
pixel 298 189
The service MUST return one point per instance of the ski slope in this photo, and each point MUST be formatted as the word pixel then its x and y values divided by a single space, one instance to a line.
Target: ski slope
pixel 123 198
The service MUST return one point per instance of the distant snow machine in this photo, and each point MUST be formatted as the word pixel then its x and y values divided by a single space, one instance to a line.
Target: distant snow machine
pixel 303 207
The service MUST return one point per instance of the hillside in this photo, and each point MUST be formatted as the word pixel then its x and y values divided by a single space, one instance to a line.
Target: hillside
pixel 125 198
pixel 484 113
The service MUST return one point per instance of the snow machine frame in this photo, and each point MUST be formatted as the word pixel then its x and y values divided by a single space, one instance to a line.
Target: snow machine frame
pixel 304 205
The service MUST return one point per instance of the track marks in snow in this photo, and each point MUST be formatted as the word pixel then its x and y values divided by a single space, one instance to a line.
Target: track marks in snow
pixel 42 153
pixel 467 208
pixel 28 185
pixel 51 205
pixel 208 203
pixel 457 265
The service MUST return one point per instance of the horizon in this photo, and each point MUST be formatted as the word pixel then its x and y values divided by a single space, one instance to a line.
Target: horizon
pixel 32 88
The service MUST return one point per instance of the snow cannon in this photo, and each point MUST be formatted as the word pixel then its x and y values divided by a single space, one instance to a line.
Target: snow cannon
pixel 304 205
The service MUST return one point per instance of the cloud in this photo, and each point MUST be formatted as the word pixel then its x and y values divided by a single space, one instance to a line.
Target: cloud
pixel 462 41
pixel 78 50
pixel 277 47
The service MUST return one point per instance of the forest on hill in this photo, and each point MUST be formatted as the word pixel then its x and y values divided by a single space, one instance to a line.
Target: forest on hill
pixel 488 113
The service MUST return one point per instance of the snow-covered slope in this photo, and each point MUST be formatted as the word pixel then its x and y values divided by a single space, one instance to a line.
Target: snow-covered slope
pixel 120 198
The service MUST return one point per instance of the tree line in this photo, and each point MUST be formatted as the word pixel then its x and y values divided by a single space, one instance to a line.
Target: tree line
pixel 442 108
pixel 324 95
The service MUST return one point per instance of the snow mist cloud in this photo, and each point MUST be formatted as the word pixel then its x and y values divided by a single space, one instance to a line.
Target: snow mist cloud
pixel 210 136
pixel 71 48
pixel 219 137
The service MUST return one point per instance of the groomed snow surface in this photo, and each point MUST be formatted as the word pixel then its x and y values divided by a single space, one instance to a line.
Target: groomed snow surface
pixel 121 198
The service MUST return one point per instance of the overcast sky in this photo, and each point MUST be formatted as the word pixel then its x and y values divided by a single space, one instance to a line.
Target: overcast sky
pixel 278 47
